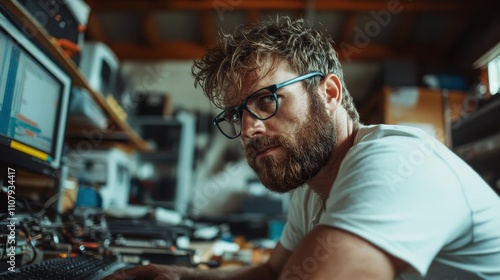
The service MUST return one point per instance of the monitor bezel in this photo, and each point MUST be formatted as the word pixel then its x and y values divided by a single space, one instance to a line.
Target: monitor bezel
pixel 17 158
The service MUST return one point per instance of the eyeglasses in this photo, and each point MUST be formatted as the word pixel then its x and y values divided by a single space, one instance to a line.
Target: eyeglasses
pixel 262 105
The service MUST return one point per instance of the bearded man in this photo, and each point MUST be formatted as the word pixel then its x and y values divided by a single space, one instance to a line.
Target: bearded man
pixel 367 202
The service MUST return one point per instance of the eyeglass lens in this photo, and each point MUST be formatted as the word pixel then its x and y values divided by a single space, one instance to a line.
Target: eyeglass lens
pixel 261 104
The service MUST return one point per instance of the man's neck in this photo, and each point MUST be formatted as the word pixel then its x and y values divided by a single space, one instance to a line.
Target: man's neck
pixel 323 181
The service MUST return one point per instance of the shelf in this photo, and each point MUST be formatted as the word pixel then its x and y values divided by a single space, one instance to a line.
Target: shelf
pixel 480 124
pixel 481 149
pixel 49 44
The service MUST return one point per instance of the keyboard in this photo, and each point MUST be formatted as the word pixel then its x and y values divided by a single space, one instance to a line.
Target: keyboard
pixel 78 268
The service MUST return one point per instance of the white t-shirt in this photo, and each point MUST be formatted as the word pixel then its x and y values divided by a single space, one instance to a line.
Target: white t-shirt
pixel 411 196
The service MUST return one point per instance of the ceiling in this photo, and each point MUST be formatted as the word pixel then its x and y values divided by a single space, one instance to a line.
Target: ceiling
pixel 432 35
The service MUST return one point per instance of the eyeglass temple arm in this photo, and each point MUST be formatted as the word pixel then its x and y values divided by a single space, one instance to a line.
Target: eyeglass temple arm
pixel 294 80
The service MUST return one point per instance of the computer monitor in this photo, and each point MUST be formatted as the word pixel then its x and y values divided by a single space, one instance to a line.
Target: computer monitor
pixel 34 96
pixel 100 66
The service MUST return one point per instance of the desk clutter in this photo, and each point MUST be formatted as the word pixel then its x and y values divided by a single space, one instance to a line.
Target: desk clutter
pixel 85 243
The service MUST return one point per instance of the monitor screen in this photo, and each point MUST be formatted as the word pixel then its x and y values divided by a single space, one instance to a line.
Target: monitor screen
pixel 34 94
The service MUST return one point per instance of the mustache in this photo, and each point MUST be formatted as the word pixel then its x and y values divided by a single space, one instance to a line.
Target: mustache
pixel 261 143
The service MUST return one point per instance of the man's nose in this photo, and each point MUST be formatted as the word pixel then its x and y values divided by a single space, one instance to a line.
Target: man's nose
pixel 251 126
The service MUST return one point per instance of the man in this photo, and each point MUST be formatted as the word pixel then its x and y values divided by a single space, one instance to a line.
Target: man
pixel 368 202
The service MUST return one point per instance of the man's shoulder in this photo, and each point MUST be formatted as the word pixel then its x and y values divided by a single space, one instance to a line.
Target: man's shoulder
pixel 379 142
pixel 388 149
pixel 387 132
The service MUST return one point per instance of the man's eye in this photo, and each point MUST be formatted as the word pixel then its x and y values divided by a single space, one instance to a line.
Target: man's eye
pixel 268 99
pixel 234 117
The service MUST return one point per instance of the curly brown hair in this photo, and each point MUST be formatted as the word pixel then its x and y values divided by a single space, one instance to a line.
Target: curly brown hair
pixel 304 48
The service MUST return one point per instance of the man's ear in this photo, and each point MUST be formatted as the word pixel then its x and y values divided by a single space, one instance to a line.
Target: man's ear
pixel 333 91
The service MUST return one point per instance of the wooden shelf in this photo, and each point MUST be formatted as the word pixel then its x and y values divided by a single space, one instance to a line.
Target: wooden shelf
pixel 117 125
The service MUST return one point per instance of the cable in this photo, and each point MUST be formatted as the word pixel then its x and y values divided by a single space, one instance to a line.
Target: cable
pixel 47 204
pixel 26 204
pixel 26 231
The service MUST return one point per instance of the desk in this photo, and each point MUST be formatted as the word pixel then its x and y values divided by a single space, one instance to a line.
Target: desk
pixel 228 254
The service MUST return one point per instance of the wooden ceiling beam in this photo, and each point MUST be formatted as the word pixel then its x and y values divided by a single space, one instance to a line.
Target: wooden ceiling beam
pixel 348 26
pixel 253 16
pixel 151 35
pixel 160 51
pixel 420 6
pixel 403 31
pixel 319 5
pixel 451 32
pixel 188 51
pixel 454 29
pixel 94 30
pixel 207 28
pixel 349 52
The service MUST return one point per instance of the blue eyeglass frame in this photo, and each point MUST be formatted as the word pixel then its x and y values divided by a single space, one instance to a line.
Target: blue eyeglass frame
pixel 273 89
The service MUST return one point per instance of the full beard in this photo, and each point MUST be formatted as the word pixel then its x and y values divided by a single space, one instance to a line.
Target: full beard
pixel 305 155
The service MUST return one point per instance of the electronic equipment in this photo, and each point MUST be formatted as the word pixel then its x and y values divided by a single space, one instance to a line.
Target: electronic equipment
pixel 143 255
pixel 65 20
pixel 73 268
pixel 110 170
pixel 124 92
pixel 13 246
pixel 147 241
pixel 154 105
pixel 83 110
pixel 88 226
pixel 165 175
pixel 100 66
pixel 34 96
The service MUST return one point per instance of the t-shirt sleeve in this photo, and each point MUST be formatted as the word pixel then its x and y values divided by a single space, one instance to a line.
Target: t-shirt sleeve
pixel 399 196
pixel 293 232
